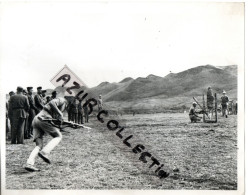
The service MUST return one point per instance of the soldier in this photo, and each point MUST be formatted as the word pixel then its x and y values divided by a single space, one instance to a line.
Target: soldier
pixel 80 113
pixel 86 112
pixel 43 94
pixel 8 119
pixel 74 110
pixel 18 108
pixel 224 104
pixel 26 134
pixel 41 127
pixel 38 100
pixel 48 99
pixel 99 102
pixel 192 113
pixel 32 111
pixel 210 102
pixel 54 95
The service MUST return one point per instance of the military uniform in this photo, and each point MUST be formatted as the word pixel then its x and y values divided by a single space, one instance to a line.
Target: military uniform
pixel 38 100
pixel 192 115
pixel 18 108
pixel 74 111
pixel 224 104
pixel 80 113
pixel 41 127
pixel 86 112
pixel 32 112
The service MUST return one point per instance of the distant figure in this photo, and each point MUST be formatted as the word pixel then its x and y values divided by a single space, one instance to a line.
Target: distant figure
pixel 8 119
pixel 38 100
pixel 18 108
pixel 80 112
pixel 86 111
pixel 32 111
pixel 99 102
pixel 74 110
pixel 192 113
pixel 224 104
pixel 210 102
pixel 43 94
pixel 48 99
pixel 26 136
pixel 54 95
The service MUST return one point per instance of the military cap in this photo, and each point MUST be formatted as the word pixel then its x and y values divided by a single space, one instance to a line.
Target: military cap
pixel 223 91
pixel 19 89
pixel 39 87
pixel 43 91
pixel 194 103
pixel 28 88
pixel 11 93
pixel 54 93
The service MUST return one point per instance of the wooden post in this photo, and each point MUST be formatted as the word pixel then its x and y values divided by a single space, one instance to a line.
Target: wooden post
pixel 203 109
pixel 215 99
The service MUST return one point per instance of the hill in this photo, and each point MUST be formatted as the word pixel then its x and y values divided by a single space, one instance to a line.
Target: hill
pixel 174 91
pixel 160 94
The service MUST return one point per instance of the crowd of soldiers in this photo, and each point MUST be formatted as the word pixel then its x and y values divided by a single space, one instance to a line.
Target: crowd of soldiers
pixel 23 106
pixel 224 100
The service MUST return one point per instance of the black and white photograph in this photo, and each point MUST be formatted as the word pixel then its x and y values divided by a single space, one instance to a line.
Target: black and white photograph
pixel 122 95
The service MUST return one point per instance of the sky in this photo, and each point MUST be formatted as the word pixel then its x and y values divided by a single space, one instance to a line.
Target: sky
pixel 109 41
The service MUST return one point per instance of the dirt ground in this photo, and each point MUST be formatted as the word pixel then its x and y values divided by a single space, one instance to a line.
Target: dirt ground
pixel 203 156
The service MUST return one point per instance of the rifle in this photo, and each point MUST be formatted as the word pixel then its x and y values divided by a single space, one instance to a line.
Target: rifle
pixel 203 111
pixel 57 123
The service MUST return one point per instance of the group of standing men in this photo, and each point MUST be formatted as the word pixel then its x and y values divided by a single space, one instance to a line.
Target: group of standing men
pixel 21 108
pixel 210 106
pixel 77 110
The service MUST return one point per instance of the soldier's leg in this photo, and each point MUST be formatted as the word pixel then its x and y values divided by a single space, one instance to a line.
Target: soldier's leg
pixel 222 110
pixel 38 138
pixel 76 117
pixel 26 128
pixel 20 131
pixel 87 117
pixel 81 118
pixel 14 125
pixel 35 151
pixel 30 120
pixel 69 115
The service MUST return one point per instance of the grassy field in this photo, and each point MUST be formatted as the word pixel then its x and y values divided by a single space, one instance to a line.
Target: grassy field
pixel 203 156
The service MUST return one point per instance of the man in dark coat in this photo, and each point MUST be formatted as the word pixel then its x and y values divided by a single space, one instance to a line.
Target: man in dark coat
pixel 26 136
pixel 38 100
pixel 18 108
pixel 80 113
pixel 86 111
pixel 8 119
pixel 54 95
pixel 74 110
pixel 32 111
